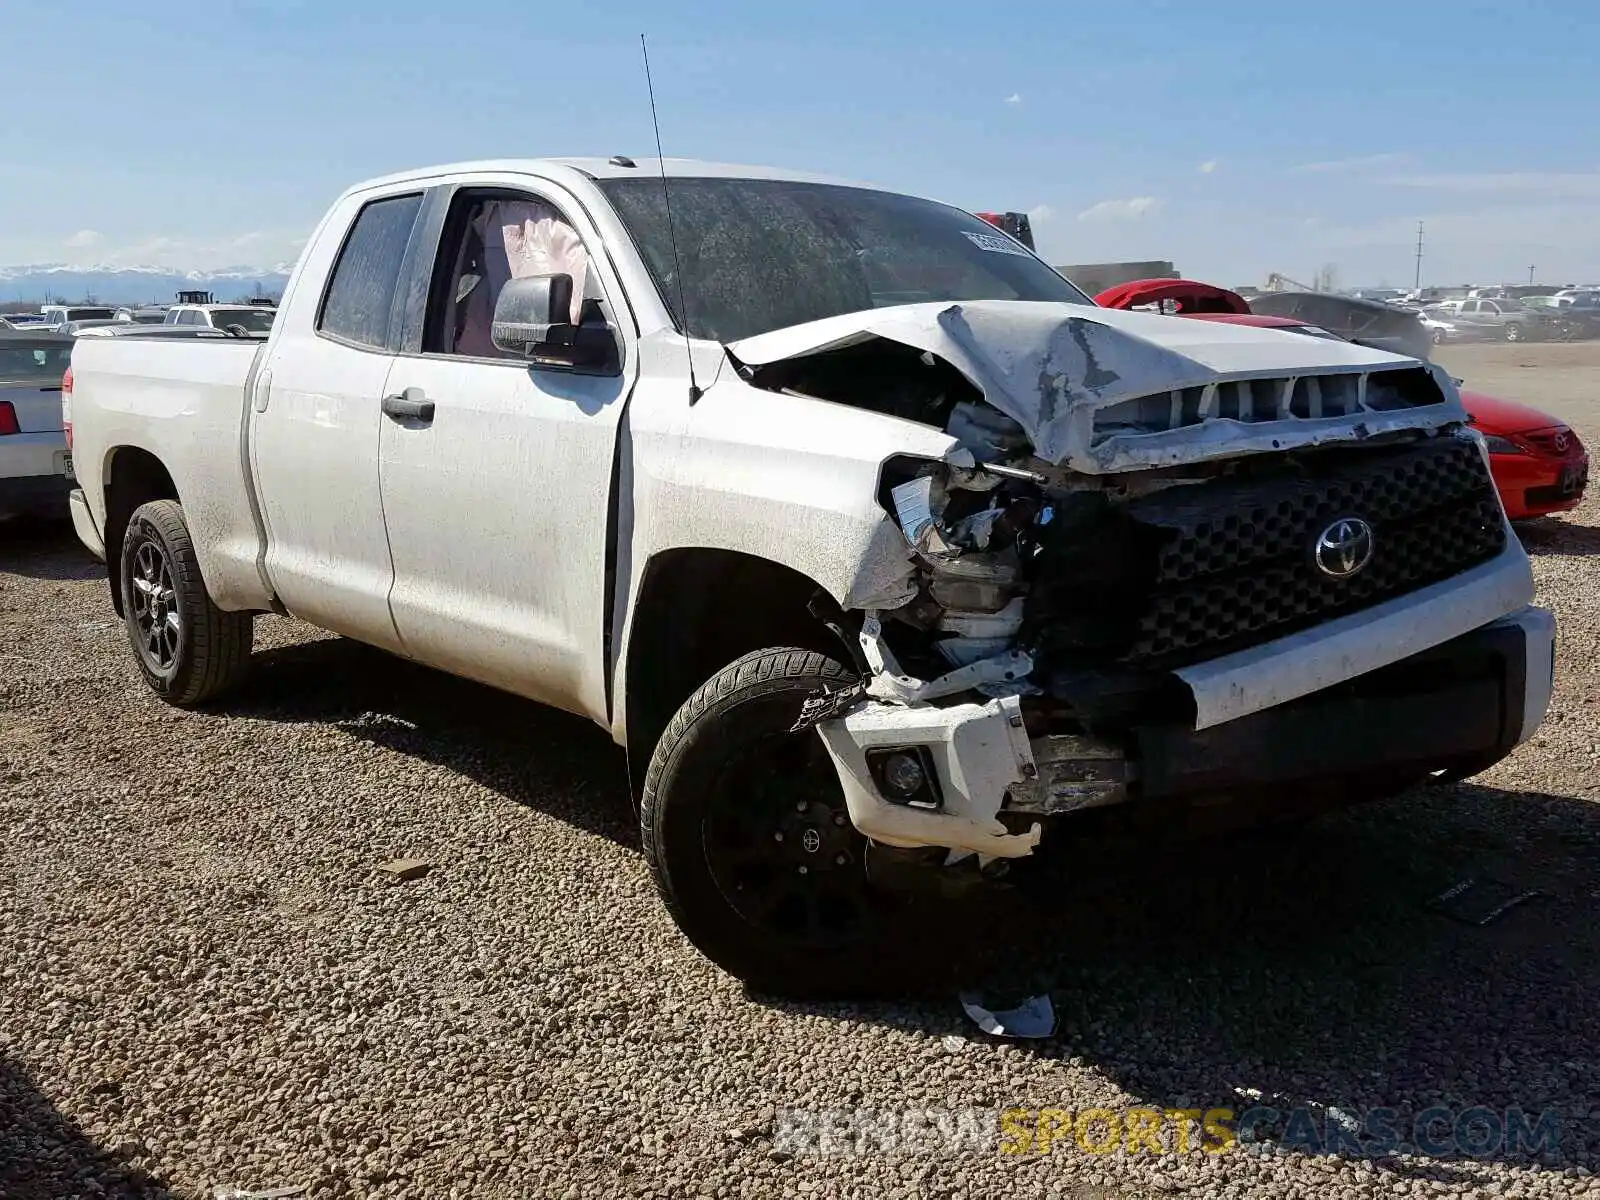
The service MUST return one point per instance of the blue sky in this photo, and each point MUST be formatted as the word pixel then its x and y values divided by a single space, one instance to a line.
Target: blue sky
pixel 1233 138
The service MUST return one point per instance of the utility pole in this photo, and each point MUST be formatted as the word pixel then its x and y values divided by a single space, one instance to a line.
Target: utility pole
pixel 1417 284
pixel 1530 276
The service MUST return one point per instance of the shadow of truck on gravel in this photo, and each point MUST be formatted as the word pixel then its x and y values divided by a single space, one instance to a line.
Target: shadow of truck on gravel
pixel 1296 971
pixel 44 1156
pixel 1557 535
pixel 1310 974
pixel 38 549
pixel 529 753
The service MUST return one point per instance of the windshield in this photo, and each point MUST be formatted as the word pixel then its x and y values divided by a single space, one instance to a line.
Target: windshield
pixel 763 254
pixel 254 320
pixel 27 359
pixel 91 314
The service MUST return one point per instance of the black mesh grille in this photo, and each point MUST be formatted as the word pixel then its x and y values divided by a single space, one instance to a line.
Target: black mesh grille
pixel 1233 562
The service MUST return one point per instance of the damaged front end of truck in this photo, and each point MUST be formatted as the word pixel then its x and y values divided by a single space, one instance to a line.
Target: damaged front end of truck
pixel 1160 560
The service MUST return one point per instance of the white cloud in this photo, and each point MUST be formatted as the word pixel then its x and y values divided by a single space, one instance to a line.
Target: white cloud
pixel 1365 162
pixel 84 239
pixel 1014 98
pixel 154 251
pixel 1542 185
pixel 1130 209
pixel 1042 212
pixel 1207 167
pixel 183 253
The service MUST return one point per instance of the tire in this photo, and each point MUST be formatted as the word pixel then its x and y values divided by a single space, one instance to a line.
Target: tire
pixel 746 833
pixel 1438 337
pixel 187 648
pixel 1514 333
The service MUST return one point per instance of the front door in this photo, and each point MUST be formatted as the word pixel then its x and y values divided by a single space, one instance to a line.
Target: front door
pixel 496 475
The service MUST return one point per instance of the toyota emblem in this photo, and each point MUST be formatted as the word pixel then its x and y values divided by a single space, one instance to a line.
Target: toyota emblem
pixel 1343 548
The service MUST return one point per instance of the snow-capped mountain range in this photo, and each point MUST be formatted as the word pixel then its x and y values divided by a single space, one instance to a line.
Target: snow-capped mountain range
pixel 133 285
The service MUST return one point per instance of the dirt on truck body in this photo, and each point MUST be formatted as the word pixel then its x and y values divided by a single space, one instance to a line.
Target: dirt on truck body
pixel 879 547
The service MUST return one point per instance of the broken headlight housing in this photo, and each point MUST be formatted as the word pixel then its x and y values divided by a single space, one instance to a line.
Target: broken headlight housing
pixel 905 775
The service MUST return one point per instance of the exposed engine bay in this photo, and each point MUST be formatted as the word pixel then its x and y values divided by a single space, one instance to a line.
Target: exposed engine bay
pixel 1054 610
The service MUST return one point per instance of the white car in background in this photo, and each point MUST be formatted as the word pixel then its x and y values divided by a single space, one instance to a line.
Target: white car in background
pixel 250 318
pixel 1436 323
pixel 58 315
pixel 35 468
pixel 143 314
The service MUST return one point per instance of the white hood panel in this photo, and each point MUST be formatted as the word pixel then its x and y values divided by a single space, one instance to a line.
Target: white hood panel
pixel 1050 367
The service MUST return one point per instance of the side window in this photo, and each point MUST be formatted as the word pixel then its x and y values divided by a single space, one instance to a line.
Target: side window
pixel 361 290
pixel 489 239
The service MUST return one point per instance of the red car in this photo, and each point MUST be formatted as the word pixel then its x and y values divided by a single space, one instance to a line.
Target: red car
pixel 1539 464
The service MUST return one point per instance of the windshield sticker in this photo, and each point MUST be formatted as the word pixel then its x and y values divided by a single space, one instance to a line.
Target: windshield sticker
pixel 995 243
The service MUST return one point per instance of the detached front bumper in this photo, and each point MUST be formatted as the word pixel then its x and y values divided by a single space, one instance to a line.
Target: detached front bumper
pixel 1458 707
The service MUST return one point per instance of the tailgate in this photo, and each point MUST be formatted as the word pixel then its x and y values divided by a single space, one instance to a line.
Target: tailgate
pixel 38 407
pixel 30 379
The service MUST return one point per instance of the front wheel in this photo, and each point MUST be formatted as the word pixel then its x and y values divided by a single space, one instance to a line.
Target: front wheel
pixel 188 649
pixel 747 835
pixel 1514 333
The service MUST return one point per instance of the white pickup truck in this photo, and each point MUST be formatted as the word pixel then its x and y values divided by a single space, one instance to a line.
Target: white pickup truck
pixel 876 544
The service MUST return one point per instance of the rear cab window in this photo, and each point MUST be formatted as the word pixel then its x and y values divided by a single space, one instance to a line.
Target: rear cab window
pixel 359 300
pixel 32 360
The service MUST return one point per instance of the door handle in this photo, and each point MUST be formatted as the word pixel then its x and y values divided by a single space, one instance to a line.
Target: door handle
pixel 411 404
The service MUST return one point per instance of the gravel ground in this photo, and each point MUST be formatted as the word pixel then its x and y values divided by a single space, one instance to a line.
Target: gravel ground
pixel 205 982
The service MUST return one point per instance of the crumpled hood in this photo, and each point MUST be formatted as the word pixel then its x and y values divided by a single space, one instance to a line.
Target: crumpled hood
pixel 1051 366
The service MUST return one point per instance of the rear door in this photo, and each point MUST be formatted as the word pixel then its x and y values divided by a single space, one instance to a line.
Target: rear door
pixel 315 418
pixel 497 497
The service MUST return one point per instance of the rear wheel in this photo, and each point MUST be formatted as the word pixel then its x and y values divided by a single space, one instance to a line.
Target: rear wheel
pixel 747 834
pixel 188 649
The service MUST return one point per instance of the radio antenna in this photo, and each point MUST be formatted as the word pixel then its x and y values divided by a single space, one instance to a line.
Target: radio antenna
pixel 672 233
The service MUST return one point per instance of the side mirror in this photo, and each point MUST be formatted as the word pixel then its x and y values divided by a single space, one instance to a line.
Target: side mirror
pixel 528 309
pixel 533 319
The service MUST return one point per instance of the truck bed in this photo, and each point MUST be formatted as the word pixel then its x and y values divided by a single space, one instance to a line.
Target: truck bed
pixel 184 401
